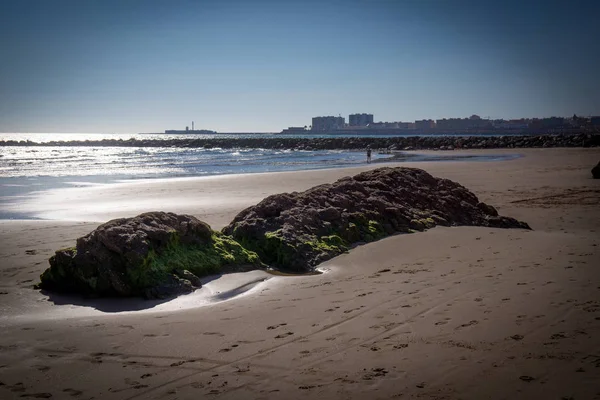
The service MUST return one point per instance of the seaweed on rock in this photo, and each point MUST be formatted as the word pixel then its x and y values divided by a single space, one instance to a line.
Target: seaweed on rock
pixel 155 254
pixel 297 231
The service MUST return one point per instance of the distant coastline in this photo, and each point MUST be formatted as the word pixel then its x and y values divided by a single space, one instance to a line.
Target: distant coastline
pixel 190 132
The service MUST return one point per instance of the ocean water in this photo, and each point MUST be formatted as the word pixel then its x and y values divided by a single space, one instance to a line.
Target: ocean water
pixel 160 162
pixel 27 169
pixel 147 162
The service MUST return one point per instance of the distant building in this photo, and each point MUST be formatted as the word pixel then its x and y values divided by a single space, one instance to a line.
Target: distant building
pixel 392 125
pixel 360 119
pixel 511 124
pixel 383 125
pixel 295 130
pixel 595 121
pixel 547 123
pixel 329 123
pixel 450 124
pixel 188 130
pixel 462 124
pixel 425 124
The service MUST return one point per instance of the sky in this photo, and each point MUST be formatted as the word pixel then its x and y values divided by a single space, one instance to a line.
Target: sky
pixel 128 66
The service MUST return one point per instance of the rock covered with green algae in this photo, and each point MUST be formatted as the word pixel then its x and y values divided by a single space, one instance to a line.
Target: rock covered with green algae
pixel 297 231
pixel 155 255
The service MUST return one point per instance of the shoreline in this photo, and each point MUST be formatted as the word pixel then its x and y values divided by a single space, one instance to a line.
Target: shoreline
pixel 22 201
pixel 450 312
pixel 197 195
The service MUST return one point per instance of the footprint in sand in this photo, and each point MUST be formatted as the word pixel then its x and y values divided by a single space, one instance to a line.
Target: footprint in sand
pixel 73 392
pixel 374 373
pixel 526 378
pixel 283 335
pixel 470 323
pixel 16 388
pixel 276 326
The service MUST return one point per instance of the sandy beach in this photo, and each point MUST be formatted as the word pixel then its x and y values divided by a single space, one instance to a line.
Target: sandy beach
pixel 450 313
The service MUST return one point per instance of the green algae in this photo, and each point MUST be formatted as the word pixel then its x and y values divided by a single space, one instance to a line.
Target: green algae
pixel 201 260
pixel 375 229
pixel 272 248
pixel 136 272
pixel 275 250
pixel 428 222
pixel 328 244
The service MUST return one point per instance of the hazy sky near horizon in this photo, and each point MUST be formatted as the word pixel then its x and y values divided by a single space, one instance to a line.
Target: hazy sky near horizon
pixel 240 66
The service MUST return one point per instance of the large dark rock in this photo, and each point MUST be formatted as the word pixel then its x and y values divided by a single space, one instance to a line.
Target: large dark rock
pixel 297 231
pixel 155 255
pixel 596 171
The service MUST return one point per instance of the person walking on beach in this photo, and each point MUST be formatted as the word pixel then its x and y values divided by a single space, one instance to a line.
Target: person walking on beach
pixel 368 155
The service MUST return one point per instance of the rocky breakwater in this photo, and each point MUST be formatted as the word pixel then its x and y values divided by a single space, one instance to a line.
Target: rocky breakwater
pixel 155 255
pixel 425 142
pixel 297 231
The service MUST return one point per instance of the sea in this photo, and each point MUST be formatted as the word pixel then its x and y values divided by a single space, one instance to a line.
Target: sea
pixel 26 169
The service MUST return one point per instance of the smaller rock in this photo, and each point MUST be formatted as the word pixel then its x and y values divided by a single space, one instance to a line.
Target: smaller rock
pixel 486 208
pixel 417 225
pixel 185 274
pixel 170 287
pixel 329 214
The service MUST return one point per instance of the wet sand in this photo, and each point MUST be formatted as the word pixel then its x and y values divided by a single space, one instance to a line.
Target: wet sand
pixel 450 313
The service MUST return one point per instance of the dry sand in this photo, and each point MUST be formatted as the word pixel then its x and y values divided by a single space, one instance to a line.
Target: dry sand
pixel 451 313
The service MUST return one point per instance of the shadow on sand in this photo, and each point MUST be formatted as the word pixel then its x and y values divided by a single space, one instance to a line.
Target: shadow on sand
pixel 215 292
pixel 105 304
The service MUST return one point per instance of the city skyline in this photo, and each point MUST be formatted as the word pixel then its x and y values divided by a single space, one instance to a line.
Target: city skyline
pixel 231 66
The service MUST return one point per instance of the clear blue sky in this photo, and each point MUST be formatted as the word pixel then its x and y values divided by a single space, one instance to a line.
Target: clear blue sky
pixel 131 66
